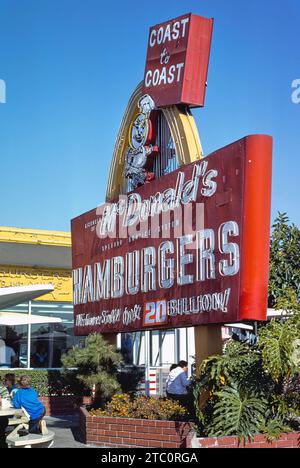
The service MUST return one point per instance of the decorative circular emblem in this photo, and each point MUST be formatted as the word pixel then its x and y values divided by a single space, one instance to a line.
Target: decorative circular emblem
pixel 139 131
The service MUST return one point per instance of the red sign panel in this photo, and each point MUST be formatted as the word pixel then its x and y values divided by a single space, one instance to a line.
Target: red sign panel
pixel 190 248
pixel 177 61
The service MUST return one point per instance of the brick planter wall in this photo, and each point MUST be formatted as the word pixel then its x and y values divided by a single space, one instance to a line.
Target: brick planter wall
pixel 285 441
pixel 133 433
pixel 63 405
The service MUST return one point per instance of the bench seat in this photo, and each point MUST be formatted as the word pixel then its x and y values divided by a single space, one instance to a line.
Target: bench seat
pixel 16 441
pixel 16 421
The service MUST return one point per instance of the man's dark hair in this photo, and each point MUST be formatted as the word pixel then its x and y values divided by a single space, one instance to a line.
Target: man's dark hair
pixel 182 364
pixel 173 366
pixel 10 377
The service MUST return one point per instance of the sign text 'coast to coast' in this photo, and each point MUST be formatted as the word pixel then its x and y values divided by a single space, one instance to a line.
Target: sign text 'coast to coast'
pixel 177 61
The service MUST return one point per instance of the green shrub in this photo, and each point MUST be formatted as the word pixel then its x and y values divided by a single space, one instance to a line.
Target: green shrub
pixel 50 382
pixel 130 379
pixel 141 407
pixel 97 364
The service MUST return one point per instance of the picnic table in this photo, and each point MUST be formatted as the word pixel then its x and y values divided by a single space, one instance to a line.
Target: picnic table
pixel 14 417
pixel 10 416
pixel 17 417
pixel 9 412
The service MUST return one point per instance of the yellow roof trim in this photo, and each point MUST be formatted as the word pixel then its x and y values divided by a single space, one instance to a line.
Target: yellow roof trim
pixel 35 237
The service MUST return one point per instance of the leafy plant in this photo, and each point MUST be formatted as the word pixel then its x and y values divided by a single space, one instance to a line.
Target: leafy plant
pixel 238 362
pixel 238 413
pixel 284 260
pixel 97 366
pixel 273 428
pixel 251 389
pixel 255 388
pixel 277 344
pixel 121 405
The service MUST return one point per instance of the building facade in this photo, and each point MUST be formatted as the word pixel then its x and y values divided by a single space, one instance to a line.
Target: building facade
pixel 37 257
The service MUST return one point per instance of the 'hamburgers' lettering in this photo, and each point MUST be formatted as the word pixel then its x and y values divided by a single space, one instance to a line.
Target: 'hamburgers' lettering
pixel 151 269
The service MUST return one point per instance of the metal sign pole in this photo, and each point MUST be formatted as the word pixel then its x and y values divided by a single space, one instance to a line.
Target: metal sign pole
pixel 147 363
pixel 29 337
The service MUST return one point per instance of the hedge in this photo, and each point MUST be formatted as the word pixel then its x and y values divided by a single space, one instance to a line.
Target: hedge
pixel 57 383
pixel 50 382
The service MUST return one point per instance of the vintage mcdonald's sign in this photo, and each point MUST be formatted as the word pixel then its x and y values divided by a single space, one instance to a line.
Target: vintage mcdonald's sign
pixel 183 240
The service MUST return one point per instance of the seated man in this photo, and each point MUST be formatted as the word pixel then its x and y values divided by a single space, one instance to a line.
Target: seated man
pixel 27 398
pixel 9 382
pixel 3 393
pixel 177 385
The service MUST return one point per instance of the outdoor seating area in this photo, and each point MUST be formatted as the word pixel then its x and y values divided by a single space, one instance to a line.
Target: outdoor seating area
pixel 19 437
pixel 22 423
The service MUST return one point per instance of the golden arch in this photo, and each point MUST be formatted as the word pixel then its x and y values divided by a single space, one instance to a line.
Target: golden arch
pixel 183 130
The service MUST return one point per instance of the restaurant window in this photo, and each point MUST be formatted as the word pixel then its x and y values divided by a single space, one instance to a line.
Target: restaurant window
pixel 13 342
pixel 162 346
pixel 50 341
pixel 45 343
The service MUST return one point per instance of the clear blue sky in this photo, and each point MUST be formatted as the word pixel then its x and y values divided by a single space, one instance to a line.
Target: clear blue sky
pixel 70 66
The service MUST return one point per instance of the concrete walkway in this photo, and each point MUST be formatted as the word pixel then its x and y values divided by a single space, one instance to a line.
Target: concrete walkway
pixel 66 430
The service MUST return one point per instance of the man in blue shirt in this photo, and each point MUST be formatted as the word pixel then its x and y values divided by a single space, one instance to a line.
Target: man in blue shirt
pixel 177 381
pixel 177 386
pixel 27 398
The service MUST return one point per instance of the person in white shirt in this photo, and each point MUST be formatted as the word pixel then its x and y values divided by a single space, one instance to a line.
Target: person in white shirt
pixel 178 383
pixel 177 387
